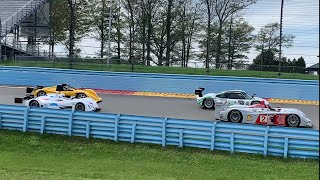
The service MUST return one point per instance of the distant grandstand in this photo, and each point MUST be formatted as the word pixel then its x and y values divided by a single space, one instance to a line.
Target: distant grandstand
pixel 24 28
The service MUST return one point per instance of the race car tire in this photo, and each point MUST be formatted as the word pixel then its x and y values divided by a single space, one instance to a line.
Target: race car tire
pixel 80 107
pixel 208 103
pixel 255 102
pixel 235 116
pixel 81 95
pixel 34 103
pixel 293 120
pixel 41 93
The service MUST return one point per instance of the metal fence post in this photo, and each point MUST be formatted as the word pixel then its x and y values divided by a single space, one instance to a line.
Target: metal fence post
pixel 133 132
pixel 70 123
pixel 0 119
pixel 286 147
pixel 181 138
pixel 213 131
pixel 116 123
pixel 265 143
pixel 25 121
pixel 232 143
pixel 88 129
pixel 164 129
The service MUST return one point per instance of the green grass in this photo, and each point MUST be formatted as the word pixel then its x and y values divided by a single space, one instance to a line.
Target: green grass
pixel 167 70
pixel 33 156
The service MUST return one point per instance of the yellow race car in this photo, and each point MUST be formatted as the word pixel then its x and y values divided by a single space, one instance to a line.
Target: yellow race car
pixel 65 89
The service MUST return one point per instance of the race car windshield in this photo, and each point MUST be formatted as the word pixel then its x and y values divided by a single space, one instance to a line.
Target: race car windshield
pixel 246 95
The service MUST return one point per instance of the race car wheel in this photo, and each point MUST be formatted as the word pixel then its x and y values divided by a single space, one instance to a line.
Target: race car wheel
pixel 255 102
pixel 208 103
pixel 80 107
pixel 235 116
pixel 81 95
pixel 34 103
pixel 293 120
pixel 41 93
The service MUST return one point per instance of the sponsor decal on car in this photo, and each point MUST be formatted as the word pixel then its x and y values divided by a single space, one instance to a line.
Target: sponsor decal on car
pixel 262 119
pixel 249 117
pixel 280 119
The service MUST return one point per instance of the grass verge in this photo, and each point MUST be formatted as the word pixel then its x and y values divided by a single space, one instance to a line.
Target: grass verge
pixel 34 156
pixel 166 70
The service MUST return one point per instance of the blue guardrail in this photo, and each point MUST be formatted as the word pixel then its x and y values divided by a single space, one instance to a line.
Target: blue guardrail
pixel 150 82
pixel 258 139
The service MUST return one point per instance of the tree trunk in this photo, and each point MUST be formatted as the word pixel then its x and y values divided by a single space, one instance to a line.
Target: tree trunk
pixel 102 29
pixel 208 34
pixel 183 38
pixel 144 39
pixel 149 17
pixel 219 45
pixel 168 30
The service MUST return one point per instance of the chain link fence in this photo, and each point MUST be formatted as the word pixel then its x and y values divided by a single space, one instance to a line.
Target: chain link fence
pixel 195 68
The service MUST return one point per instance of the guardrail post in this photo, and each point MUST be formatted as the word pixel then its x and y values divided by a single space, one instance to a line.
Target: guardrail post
pixel 181 138
pixel 164 129
pixel 88 129
pixel 0 119
pixel 213 132
pixel 70 123
pixel 232 143
pixel 116 123
pixel 133 132
pixel 265 143
pixel 25 120
pixel 286 147
pixel 43 119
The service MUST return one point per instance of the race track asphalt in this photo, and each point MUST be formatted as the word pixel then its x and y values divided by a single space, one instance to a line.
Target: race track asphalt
pixel 179 108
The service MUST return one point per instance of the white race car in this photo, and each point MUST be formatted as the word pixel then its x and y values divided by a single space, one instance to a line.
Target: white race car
pixel 59 101
pixel 263 113
pixel 212 100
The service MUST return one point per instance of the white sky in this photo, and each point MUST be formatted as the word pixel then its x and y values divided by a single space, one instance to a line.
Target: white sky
pixel 301 19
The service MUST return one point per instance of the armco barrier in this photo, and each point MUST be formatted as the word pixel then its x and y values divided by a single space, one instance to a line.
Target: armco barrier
pixel 151 82
pixel 275 141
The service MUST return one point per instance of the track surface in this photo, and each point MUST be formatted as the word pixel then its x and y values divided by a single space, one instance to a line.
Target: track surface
pixel 179 108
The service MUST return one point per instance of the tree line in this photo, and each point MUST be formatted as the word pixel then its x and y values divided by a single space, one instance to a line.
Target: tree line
pixel 163 32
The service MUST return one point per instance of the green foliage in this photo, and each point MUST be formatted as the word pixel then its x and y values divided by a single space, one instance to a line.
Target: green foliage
pixel 61 21
pixel 268 38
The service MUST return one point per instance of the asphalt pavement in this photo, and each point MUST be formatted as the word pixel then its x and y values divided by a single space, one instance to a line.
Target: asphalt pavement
pixel 179 108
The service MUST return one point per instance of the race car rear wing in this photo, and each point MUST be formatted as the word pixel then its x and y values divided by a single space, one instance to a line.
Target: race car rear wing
pixel 20 100
pixel 199 91
pixel 31 89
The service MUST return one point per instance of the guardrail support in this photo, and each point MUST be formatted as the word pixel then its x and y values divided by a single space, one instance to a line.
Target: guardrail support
pixel 116 123
pixel 88 129
pixel 213 132
pixel 0 119
pixel 133 132
pixel 232 143
pixel 164 135
pixel 181 138
pixel 286 147
pixel 70 123
pixel 25 120
pixel 43 119
pixel 265 143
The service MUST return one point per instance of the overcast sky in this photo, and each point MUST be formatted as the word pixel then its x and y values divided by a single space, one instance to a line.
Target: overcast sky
pixel 301 19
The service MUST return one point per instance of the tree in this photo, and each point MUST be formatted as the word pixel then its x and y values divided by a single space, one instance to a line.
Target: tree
pixel 240 41
pixel 224 9
pixel 268 38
